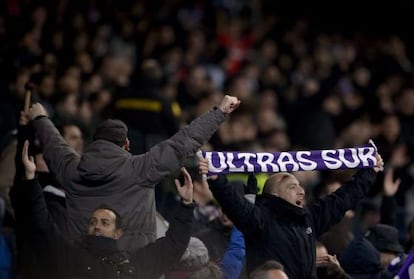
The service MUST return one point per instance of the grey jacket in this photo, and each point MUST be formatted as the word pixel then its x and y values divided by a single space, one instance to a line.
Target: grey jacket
pixel 107 174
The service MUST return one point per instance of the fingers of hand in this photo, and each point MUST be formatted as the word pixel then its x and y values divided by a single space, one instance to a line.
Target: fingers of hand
pixel 203 166
pixel 398 182
pixel 187 176
pixel 25 150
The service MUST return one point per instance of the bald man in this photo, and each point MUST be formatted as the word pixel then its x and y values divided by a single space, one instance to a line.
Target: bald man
pixel 280 226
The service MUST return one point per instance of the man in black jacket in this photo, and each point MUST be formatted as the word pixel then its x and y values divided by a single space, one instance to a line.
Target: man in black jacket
pixel 279 226
pixel 96 255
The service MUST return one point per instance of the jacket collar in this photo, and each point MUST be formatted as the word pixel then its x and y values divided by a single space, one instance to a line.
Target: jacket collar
pixel 281 208
pixel 100 245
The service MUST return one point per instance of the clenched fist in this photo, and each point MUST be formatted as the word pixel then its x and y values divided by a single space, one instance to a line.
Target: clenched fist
pixel 229 104
pixel 37 110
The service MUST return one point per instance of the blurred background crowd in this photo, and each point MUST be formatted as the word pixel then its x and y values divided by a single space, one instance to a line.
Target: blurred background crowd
pixel 306 80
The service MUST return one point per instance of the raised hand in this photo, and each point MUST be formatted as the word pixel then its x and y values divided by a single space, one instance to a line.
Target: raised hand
pixel 28 162
pixel 327 259
pixel 380 163
pixel 37 110
pixel 390 186
pixel 251 185
pixel 229 104
pixel 185 191
pixel 24 118
pixel 203 168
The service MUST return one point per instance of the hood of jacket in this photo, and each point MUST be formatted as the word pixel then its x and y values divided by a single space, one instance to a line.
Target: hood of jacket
pixel 101 161
pixel 361 258
pixel 99 245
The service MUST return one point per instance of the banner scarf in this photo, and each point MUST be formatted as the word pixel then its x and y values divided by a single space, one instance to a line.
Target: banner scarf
pixel 267 162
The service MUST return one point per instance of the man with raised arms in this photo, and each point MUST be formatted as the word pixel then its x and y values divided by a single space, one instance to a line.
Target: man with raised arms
pixel 280 226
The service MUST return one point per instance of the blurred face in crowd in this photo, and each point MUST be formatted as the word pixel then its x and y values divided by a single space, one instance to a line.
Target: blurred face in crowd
pixel 286 186
pixel 321 251
pixel 276 274
pixel 73 136
pixel 103 223
pixel 271 273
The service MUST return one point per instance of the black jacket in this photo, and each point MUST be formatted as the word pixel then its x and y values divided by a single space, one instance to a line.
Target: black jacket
pixel 277 230
pixel 361 260
pixel 96 257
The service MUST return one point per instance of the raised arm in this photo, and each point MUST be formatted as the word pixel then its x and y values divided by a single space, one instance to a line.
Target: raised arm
pixel 159 257
pixel 170 154
pixel 18 194
pixel 28 197
pixel 244 214
pixel 24 132
pixel 57 153
pixel 38 240
pixel 330 210
pixel 389 204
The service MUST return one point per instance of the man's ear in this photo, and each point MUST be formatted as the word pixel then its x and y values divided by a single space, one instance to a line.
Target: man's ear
pixel 275 192
pixel 118 233
pixel 126 144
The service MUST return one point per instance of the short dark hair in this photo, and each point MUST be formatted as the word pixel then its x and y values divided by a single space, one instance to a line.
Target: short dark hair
pixel 63 125
pixel 112 130
pixel 319 244
pixel 118 218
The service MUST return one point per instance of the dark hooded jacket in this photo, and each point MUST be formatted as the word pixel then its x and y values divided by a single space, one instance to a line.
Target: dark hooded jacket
pixel 362 261
pixel 94 256
pixel 107 174
pixel 277 230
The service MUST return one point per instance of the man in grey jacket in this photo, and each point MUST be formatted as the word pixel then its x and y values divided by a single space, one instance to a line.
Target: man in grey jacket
pixel 106 173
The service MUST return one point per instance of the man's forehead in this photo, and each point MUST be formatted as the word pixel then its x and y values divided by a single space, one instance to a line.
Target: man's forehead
pixel 71 128
pixel 103 214
pixel 277 274
pixel 287 179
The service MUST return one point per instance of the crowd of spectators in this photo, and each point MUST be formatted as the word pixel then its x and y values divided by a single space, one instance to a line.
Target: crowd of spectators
pixel 157 65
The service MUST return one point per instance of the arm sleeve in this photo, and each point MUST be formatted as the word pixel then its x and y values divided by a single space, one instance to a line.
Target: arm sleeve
pixel 159 257
pixel 36 229
pixel 57 153
pixel 245 215
pixel 31 206
pixel 233 258
pixel 170 154
pixel 16 194
pixel 330 210
pixel 389 208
